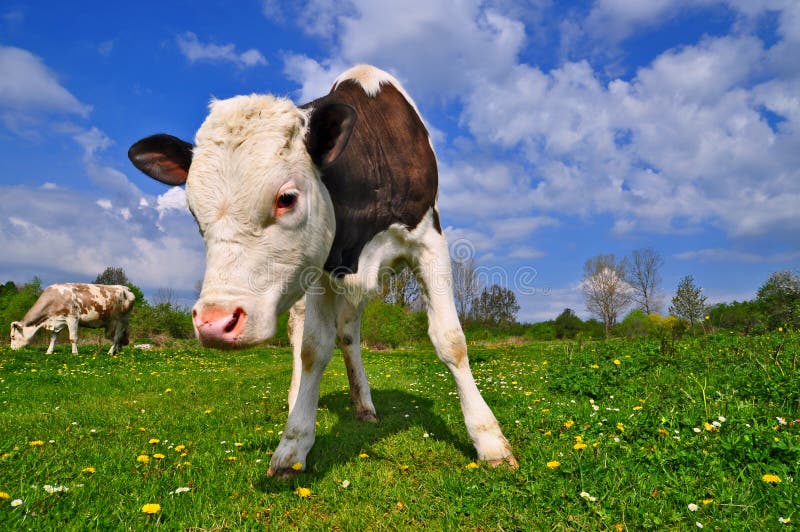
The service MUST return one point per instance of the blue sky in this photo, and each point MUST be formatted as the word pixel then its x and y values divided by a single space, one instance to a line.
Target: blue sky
pixel 563 129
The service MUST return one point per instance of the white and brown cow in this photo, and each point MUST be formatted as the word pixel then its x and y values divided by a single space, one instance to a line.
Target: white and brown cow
pixel 77 304
pixel 311 206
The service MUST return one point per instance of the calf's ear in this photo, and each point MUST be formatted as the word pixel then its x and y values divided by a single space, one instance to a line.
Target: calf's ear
pixel 163 157
pixel 328 132
pixel 16 326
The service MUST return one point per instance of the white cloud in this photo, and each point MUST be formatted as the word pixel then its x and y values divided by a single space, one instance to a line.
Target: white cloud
pixel 28 89
pixel 174 199
pixel 71 236
pixel 194 51
pixel 734 256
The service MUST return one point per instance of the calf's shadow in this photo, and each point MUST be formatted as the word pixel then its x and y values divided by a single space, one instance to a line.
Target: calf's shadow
pixel 397 410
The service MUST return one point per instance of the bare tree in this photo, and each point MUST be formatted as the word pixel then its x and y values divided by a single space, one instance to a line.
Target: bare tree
pixel 496 306
pixel 605 290
pixel 402 288
pixel 165 296
pixel 645 279
pixel 465 285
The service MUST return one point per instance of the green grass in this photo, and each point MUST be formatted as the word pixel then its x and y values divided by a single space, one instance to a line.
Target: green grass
pixel 648 452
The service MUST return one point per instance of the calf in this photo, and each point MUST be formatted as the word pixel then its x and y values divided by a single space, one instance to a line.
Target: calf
pixel 73 304
pixel 309 208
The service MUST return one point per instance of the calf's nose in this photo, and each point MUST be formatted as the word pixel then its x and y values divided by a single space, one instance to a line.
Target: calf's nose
pixel 218 326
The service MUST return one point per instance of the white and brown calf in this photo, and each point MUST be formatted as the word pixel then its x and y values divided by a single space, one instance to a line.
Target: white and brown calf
pixel 72 305
pixel 312 206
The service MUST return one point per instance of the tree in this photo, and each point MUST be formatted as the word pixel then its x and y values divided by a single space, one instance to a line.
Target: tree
pixel 402 288
pixel 112 275
pixel 495 306
pixel 166 296
pixel 606 292
pixel 567 324
pixel 780 299
pixel 689 302
pixel 465 286
pixel 645 279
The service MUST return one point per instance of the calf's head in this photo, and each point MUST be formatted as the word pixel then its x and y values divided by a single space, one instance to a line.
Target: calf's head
pixel 253 185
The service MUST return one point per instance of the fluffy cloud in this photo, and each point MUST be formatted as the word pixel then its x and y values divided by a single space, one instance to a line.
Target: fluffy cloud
pixel 29 90
pixel 72 236
pixel 194 51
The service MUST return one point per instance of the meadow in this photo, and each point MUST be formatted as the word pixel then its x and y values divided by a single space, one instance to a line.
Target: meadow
pixel 617 435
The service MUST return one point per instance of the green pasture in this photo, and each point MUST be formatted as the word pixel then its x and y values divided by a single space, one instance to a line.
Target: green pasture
pixel 616 435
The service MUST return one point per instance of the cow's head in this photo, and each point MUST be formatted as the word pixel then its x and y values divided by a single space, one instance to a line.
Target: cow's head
pixel 20 335
pixel 253 185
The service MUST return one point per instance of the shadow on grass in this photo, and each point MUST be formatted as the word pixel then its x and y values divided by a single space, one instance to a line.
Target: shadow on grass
pixel 348 437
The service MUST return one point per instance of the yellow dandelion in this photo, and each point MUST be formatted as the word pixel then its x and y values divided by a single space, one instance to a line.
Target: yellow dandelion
pixel 168 390
pixel 637 407
pixel 36 443
pixel 4 496
pixel 578 439
pixel 617 362
pixel 471 465
pixel 154 441
pixel 771 479
pixel 553 464
pixel 207 411
pixel 568 424
pixel 594 366
pixel 231 459
pixel 548 433
pixel 151 508
pixel 89 470
pixel 159 456
pixel 297 466
pixel 363 455
pixel 663 432
pixel 179 448
pixel 620 427
pixel 579 446
pixel 707 501
pixel 142 429
pixel 143 458
pixel 303 493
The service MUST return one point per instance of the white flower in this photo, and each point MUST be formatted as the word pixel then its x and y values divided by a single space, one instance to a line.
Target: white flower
pixel 183 489
pixel 699 524
pixel 693 507
pixel 588 497
pixel 781 421
pixel 697 429
pixel 784 520
pixel 426 435
pixel 722 419
pixel 16 502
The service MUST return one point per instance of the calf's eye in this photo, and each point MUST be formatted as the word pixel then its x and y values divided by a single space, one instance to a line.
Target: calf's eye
pixel 285 201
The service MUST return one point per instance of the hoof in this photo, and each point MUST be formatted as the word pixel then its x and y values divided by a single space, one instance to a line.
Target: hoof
pixel 283 473
pixel 367 417
pixel 508 460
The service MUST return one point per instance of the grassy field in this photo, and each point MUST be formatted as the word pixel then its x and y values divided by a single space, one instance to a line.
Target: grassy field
pixel 609 436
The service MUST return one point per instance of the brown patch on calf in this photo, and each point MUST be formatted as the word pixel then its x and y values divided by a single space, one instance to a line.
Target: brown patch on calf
pixel 307 356
pixel 386 175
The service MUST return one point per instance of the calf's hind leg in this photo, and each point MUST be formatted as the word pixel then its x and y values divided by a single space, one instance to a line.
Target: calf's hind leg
pixel 348 331
pixel 445 331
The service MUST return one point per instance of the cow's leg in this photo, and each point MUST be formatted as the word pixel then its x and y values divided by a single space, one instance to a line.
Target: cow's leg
pixel 296 319
pixel 72 326
pixel 52 345
pixel 444 329
pixel 116 340
pixel 348 331
pixel 319 330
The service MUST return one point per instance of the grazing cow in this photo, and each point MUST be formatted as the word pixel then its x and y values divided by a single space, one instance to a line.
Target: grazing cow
pixel 73 304
pixel 309 208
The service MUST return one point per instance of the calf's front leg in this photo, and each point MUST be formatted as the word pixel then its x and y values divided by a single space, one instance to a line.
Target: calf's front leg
pixel 319 330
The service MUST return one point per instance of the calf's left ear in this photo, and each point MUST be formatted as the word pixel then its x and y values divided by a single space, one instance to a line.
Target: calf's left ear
pixel 16 326
pixel 328 133
pixel 163 157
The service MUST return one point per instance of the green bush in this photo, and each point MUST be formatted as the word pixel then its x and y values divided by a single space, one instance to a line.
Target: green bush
pixel 387 325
